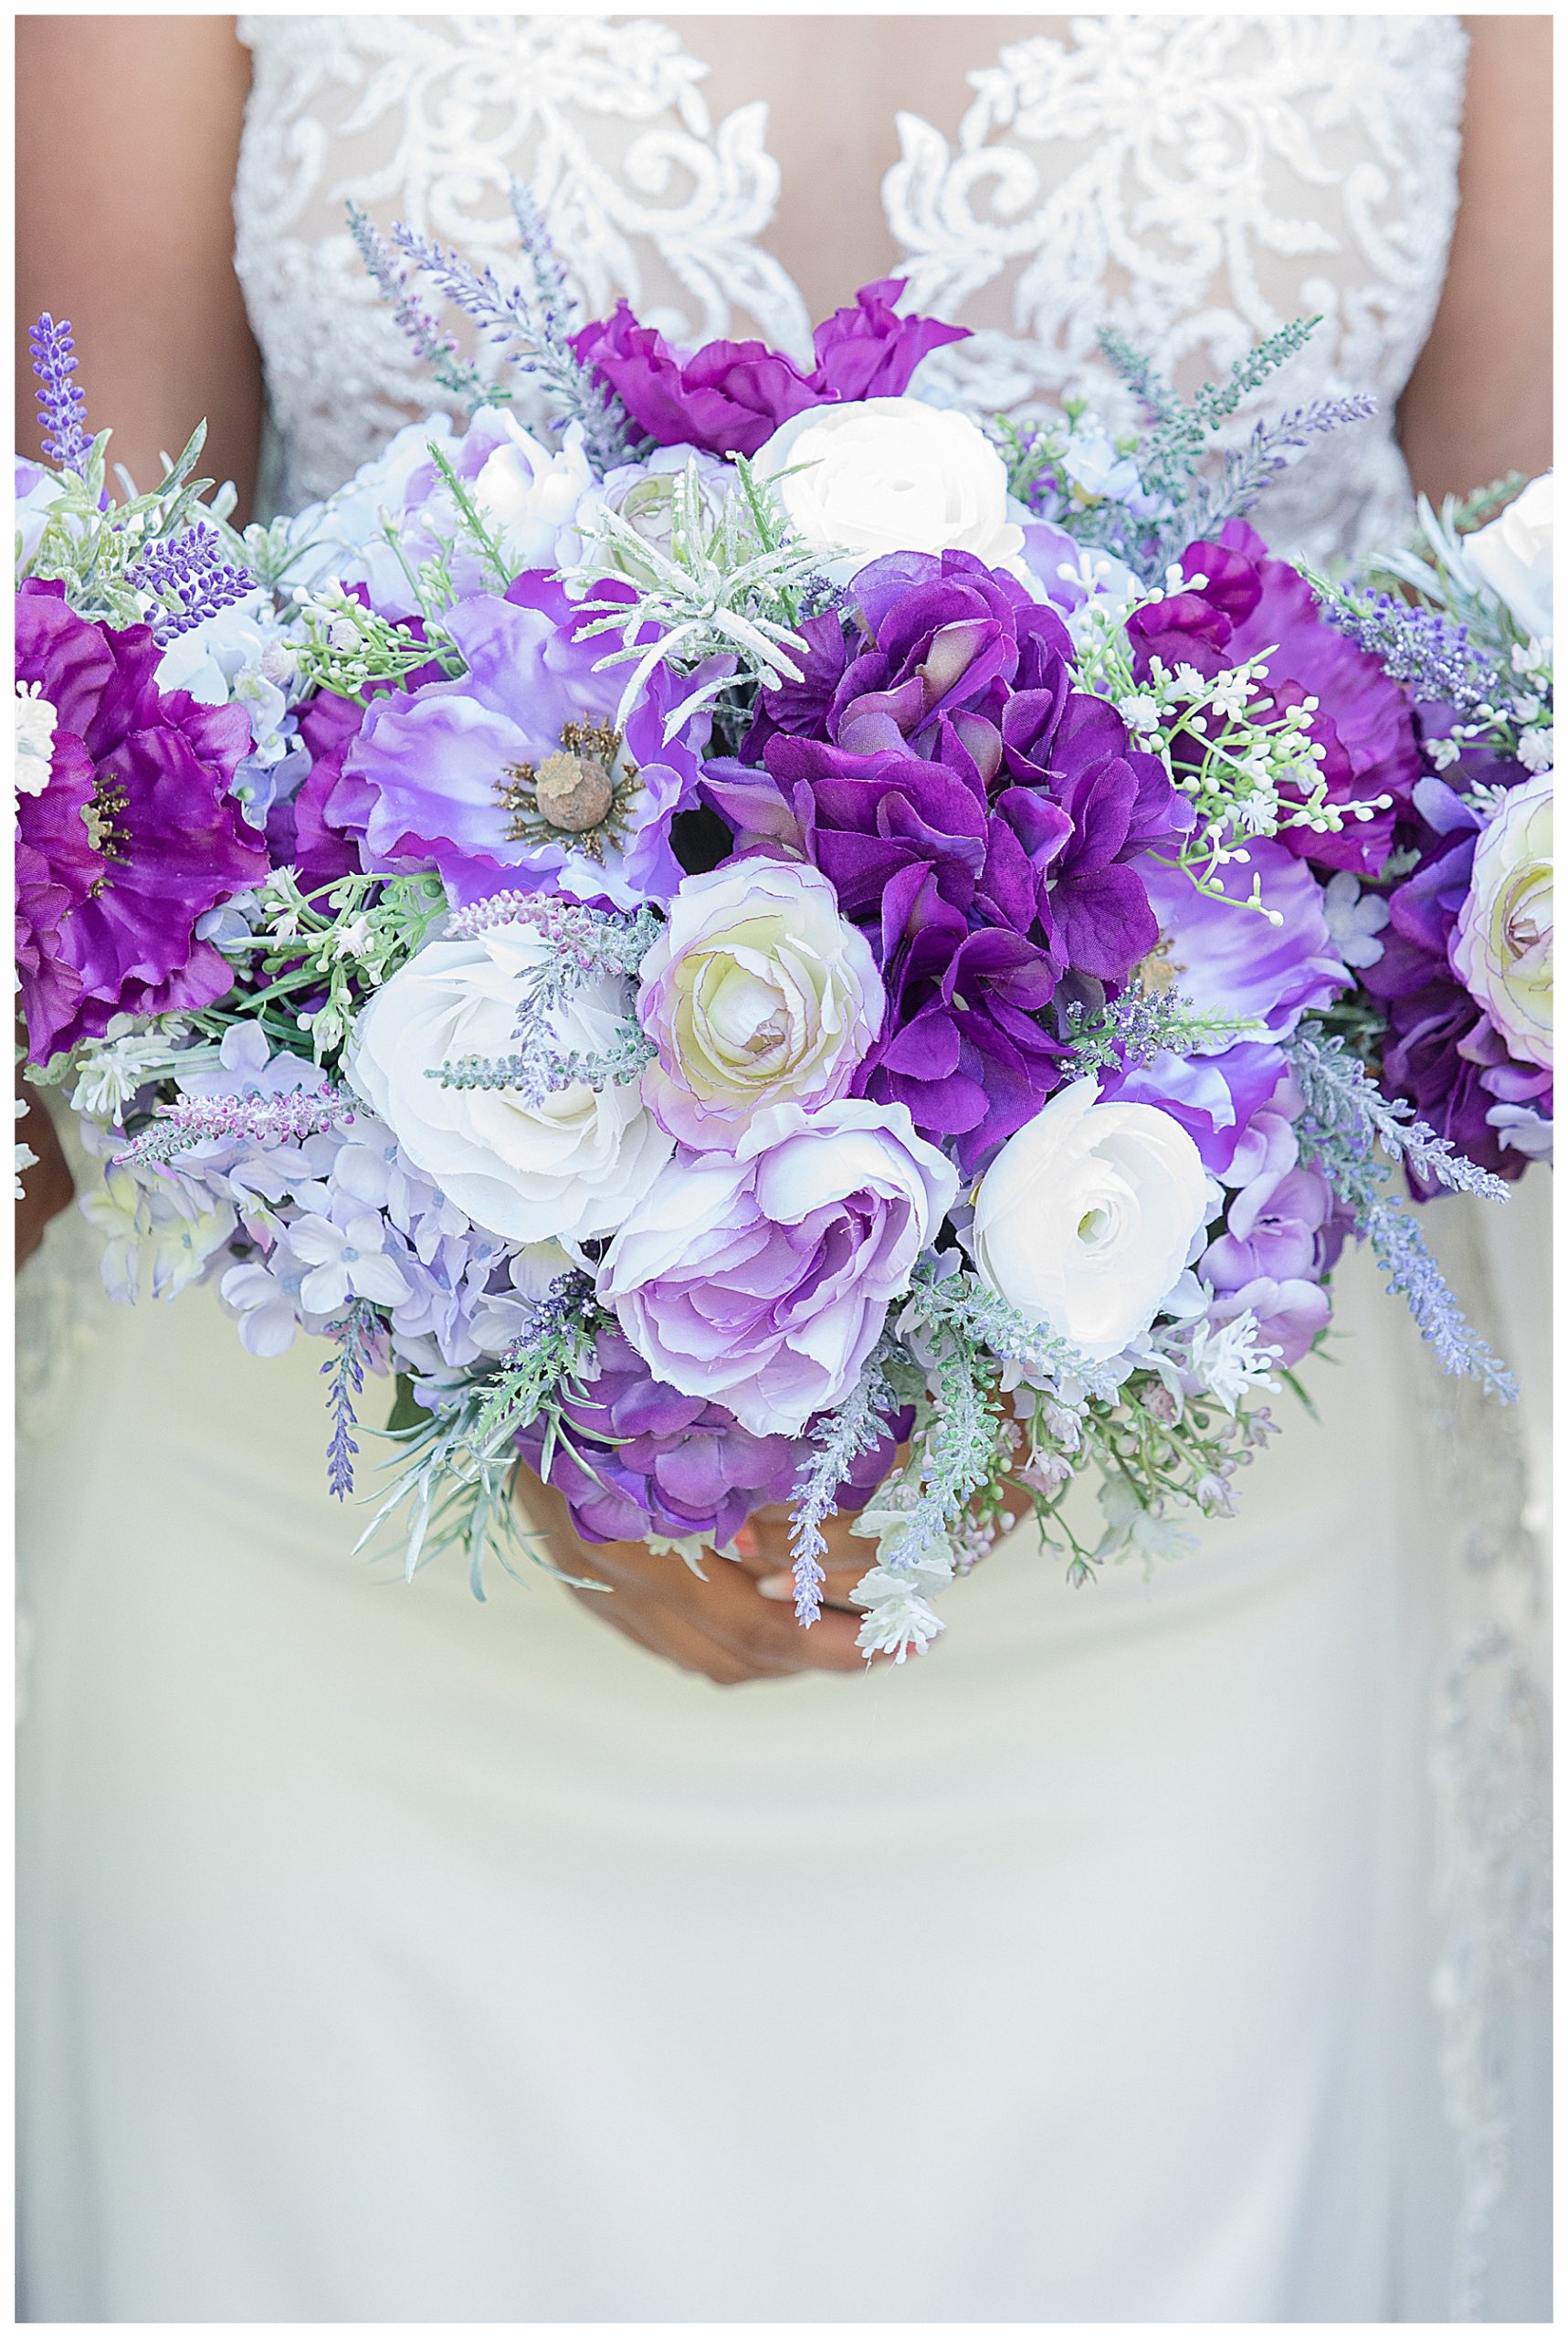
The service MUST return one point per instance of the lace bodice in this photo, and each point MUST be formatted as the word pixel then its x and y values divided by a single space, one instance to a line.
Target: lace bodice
pixel 1194 179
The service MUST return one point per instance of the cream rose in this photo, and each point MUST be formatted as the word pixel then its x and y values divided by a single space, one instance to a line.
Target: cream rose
pixel 1085 1219
pixel 886 475
pixel 1513 555
pixel 569 1168
pixel 758 992
pixel 1502 943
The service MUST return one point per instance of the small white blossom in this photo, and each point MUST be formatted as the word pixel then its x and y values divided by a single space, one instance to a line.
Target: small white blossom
pixel 35 721
pixel 1232 1360
pixel 109 1070
pixel 1354 918
pixel 1535 749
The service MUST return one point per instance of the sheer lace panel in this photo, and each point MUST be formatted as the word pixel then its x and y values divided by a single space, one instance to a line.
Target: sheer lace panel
pixel 1196 180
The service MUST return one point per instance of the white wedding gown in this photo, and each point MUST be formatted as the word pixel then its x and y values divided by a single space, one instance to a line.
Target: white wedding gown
pixel 389 1957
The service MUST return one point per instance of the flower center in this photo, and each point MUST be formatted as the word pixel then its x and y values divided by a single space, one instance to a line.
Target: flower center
pixel 1158 969
pixel 578 791
pixel 105 826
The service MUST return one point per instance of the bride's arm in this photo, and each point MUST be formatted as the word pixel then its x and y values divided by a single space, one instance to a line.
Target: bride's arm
pixel 1478 402
pixel 127 136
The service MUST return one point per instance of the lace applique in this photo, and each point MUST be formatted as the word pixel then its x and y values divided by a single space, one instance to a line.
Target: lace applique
pixel 425 119
pixel 1194 179
pixel 1196 183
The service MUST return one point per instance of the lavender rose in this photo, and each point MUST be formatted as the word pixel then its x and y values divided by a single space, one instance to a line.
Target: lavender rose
pixel 756 993
pixel 764 1279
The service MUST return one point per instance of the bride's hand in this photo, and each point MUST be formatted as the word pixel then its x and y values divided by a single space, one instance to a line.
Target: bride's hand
pixel 724 1627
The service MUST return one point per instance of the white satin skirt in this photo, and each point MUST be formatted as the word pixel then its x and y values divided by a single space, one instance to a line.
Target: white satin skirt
pixel 386 1956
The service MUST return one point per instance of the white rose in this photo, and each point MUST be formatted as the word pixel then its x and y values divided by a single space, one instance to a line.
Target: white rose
pixel 1502 943
pixel 884 475
pixel 1513 553
pixel 1085 1218
pixel 757 992
pixel 570 1167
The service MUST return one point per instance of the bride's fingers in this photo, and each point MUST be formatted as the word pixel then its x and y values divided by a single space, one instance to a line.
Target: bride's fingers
pixel 838 1584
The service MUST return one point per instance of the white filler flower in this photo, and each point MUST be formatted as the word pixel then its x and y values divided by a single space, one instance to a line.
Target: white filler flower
pixel 883 475
pixel 1085 1218
pixel 569 1168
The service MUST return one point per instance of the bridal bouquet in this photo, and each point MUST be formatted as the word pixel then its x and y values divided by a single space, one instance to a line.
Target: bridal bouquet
pixel 751 939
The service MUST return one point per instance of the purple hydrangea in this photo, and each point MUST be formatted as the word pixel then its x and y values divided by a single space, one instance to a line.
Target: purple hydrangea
pixel 729 396
pixel 1249 604
pixel 639 1458
pixel 514 776
pixel 979 815
pixel 146 777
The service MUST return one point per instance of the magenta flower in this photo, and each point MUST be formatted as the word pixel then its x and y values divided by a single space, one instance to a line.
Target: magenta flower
pixel 729 396
pixel 1250 604
pixel 146 779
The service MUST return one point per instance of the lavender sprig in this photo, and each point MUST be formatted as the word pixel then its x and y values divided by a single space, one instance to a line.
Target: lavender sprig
pixel 1429 652
pixel 358 1335
pixel 1132 1029
pixel 962 1302
pixel 260 1120
pixel 1249 470
pixel 437 349
pixel 62 408
pixel 840 1438
pixel 1344 1101
pixel 533 327
pixel 547 1360
pixel 190 579
pixel 1344 1120
pixel 585 942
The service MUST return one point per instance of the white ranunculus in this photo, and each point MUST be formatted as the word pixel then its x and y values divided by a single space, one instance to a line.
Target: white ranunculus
pixel 1513 553
pixel 757 992
pixel 526 493
pixel 1502 943
pixel 883 475
pixel 567 1168
pixel 1085 1218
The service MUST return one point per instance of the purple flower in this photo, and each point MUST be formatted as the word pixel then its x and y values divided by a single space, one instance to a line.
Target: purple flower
pixel 299 831
pixel 1250 604
pixel 763 1280
pixel 513 776
pixel 1441 1051
pixel 1230 960
pixel 640 1459
pixel 1221 1101
pixel 729 396
pixel 171 842
pixel 1282 1233
pixel 979 815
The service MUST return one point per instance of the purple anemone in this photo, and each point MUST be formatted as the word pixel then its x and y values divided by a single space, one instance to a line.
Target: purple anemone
pixel 515 775
pixel 1247 606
